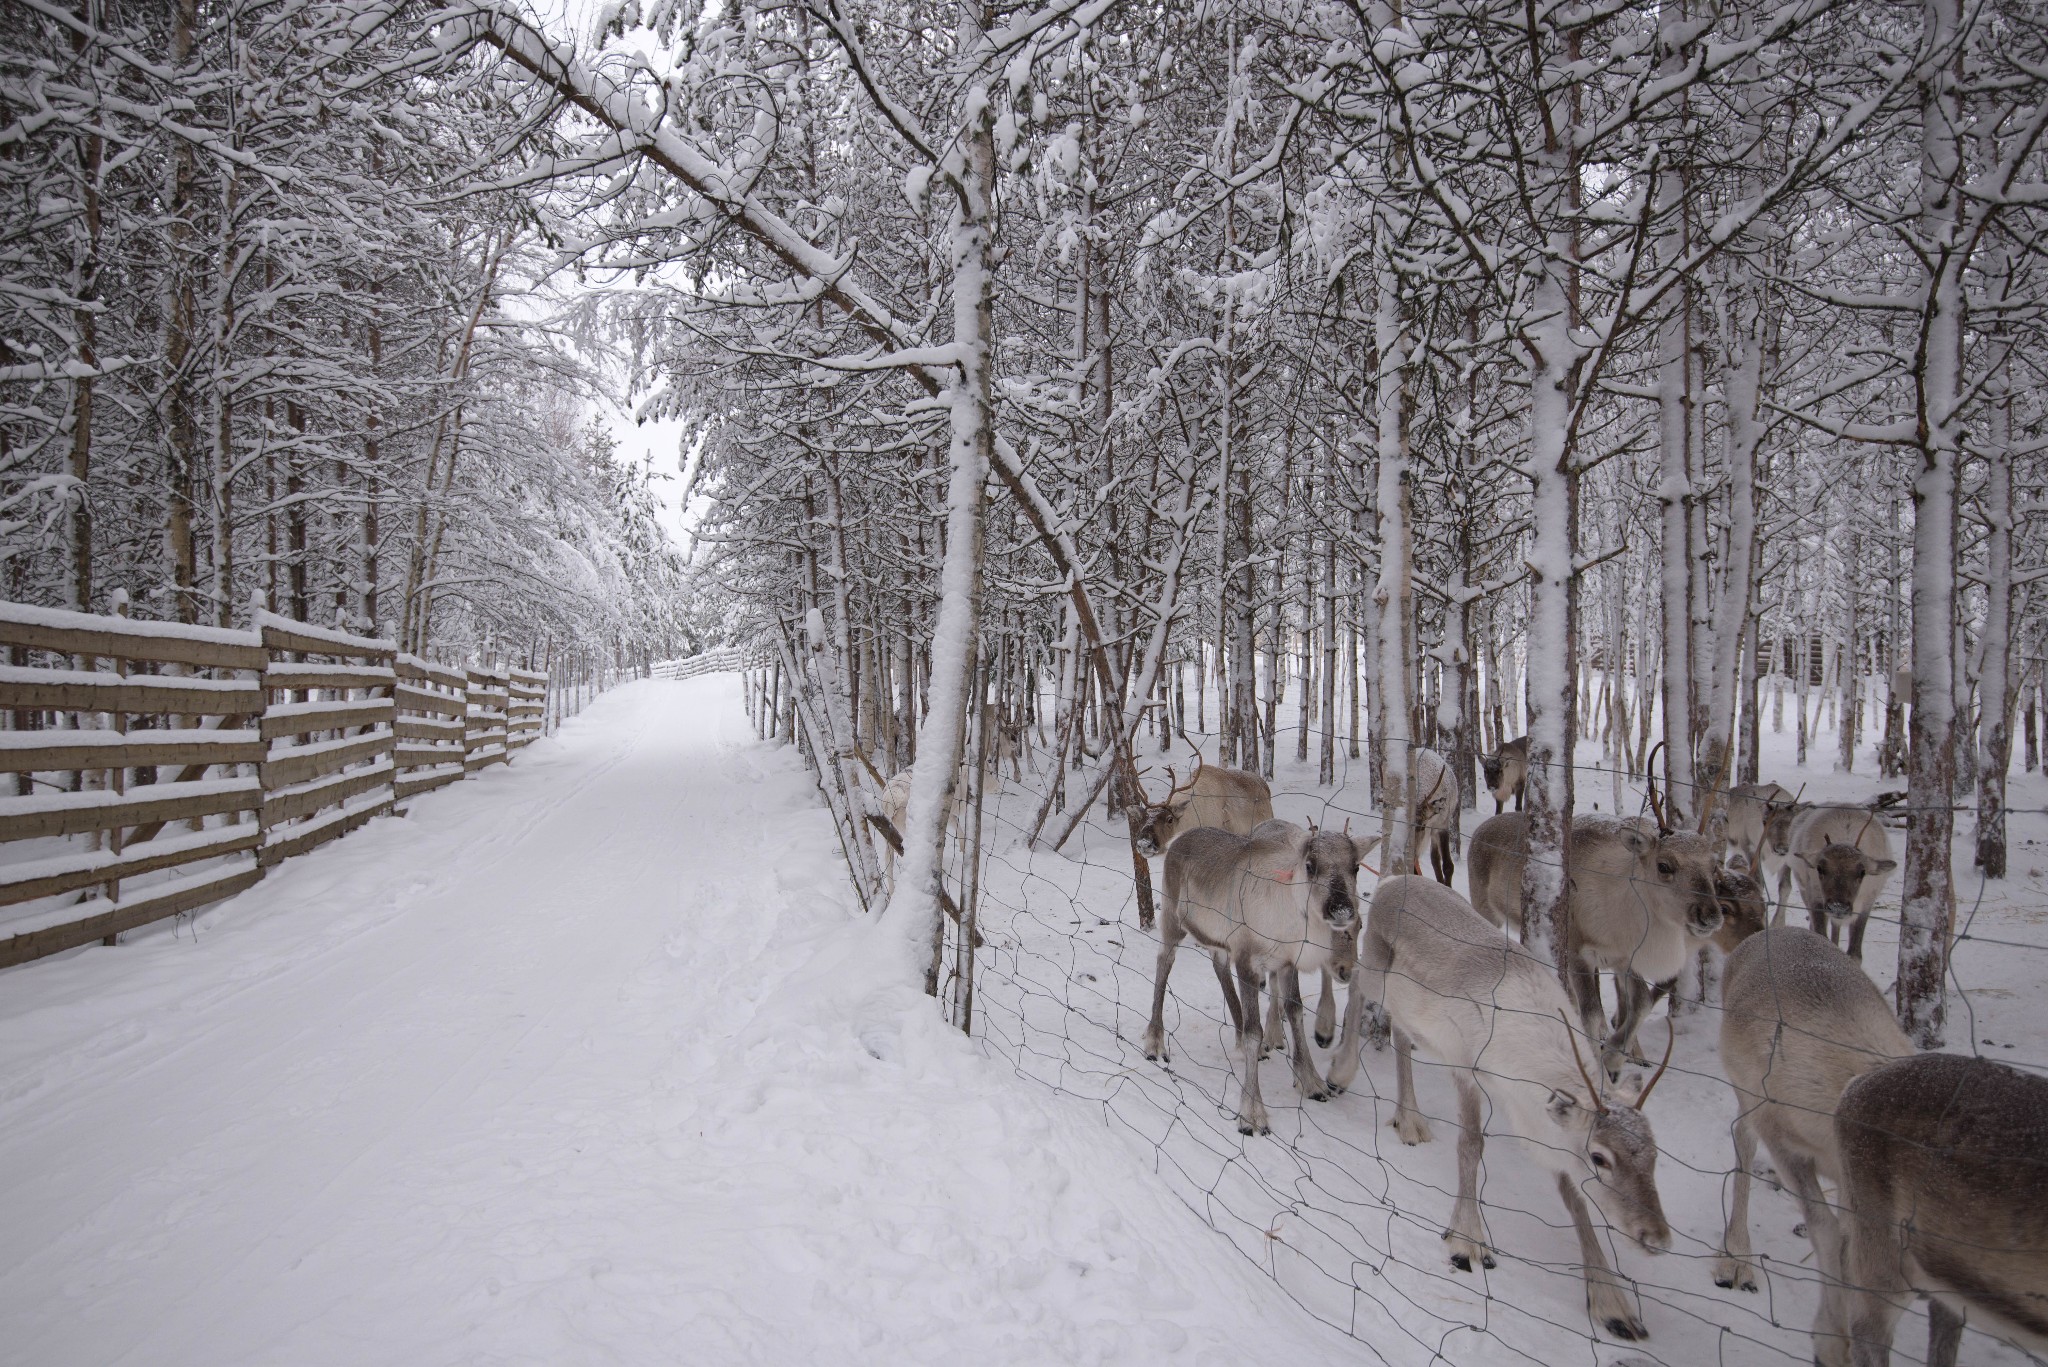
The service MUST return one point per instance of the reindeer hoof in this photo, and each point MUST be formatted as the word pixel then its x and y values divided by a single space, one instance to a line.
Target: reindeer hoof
pixel 1734 1274
pixel 1464 1250
pixel 1411 1128
pixel 1628 1329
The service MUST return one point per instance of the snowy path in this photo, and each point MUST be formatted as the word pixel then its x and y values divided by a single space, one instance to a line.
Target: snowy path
pixel 566 1067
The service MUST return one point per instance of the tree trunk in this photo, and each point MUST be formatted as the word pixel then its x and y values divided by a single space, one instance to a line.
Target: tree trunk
pixel 1927 892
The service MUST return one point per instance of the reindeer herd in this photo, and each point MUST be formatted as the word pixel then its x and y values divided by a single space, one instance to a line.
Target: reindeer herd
pixel 1915 1173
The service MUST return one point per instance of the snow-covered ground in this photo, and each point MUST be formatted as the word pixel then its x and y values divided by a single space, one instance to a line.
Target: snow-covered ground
pixel 583 1061
pixel 590 1060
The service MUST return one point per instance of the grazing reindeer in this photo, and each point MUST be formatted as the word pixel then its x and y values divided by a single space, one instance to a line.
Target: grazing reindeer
pixel 1945 1174
pixel 1840 858
pixel 1273 905
pixel 1505 769
pixel 1638 903
pixel 1454 986
pixel 1228 799
pixel 1748 806
pixel 1799 1022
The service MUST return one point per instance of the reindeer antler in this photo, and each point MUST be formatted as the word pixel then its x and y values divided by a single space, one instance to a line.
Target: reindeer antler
pixel 1670 1041
pixel 1584 1076
pixel 1657 808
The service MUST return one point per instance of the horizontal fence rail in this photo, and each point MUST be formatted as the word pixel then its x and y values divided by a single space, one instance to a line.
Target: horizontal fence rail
pixel 158 767
pixel 722 660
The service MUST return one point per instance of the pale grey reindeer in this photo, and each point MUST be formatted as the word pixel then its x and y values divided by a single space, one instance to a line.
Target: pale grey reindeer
pixel 1457 988
pixel 1639 902
pixel 1436 812
pixel 1840 858
pixel 1326 1001
pixel 1274 905
pixel 1799 1022
pixel 1945 1176
pixel 1232 800
pixel 1505 770
pixel 1747 807
pixel 896 807
pixel 1226 799
pixel 1743 913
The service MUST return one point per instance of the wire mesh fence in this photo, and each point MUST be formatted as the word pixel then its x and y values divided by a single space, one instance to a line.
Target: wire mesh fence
pixel 1347 1219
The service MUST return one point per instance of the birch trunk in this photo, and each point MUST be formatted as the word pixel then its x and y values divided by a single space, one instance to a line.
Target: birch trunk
pixel 1927 891
pixel 914 906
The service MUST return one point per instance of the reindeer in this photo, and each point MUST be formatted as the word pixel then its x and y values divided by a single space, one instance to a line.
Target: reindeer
pixel 1743 913
pixel 1942 1172
pixel 1799 1022
pixel 1840 857
pixel 1436 812
pixel 1639 903
pixel 1748 806
pixel 1505 769
pixel 1276 905
pixel 1229 799
pixel 896 807
pixel 1495 1014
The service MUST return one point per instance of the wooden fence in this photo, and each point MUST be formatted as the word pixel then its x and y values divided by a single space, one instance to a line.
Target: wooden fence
pixel 710 662
pixel 161 767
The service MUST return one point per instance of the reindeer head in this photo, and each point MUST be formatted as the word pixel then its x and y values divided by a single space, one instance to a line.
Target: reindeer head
pixel 1837 875
pixel 1332 862
pixel 1743 910
pixel 1682 865
pixel 1490 765
pixel 1162 819
pixel 1778 826
pixel 1617 1150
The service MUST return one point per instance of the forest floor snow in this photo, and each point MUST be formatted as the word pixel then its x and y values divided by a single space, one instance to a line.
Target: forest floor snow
pixel 579 1062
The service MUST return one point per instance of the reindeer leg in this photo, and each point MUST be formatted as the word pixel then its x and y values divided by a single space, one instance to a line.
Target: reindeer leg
pixel 1735 1268
pixel 1408 1121
pixel 1856 936
pixel 1633 997
pixel 1944 1334
pixel 1326 1010
pixel 1230 1000
pixel 1275 1036
pixel 1288 983
pixel 1466 1236
pixel 1582 985
pixel 1251 1109
pixel 1155 1032
pixel 1873 1266
pixel 1831 1318
pixel 1368 984
pixel 1607 1296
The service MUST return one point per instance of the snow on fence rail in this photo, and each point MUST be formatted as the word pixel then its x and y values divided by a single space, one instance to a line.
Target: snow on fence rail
pixel 724 659
pixel 193 759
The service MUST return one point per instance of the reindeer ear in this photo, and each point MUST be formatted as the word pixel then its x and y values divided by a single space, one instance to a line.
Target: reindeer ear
pixel 1799 858
pixel 1367 845
pixel 1561 1105
pixel 1636 841
pixel 1880 865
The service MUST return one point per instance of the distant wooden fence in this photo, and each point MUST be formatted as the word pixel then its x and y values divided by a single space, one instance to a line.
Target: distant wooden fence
pixel 710 662
pixel 197 758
